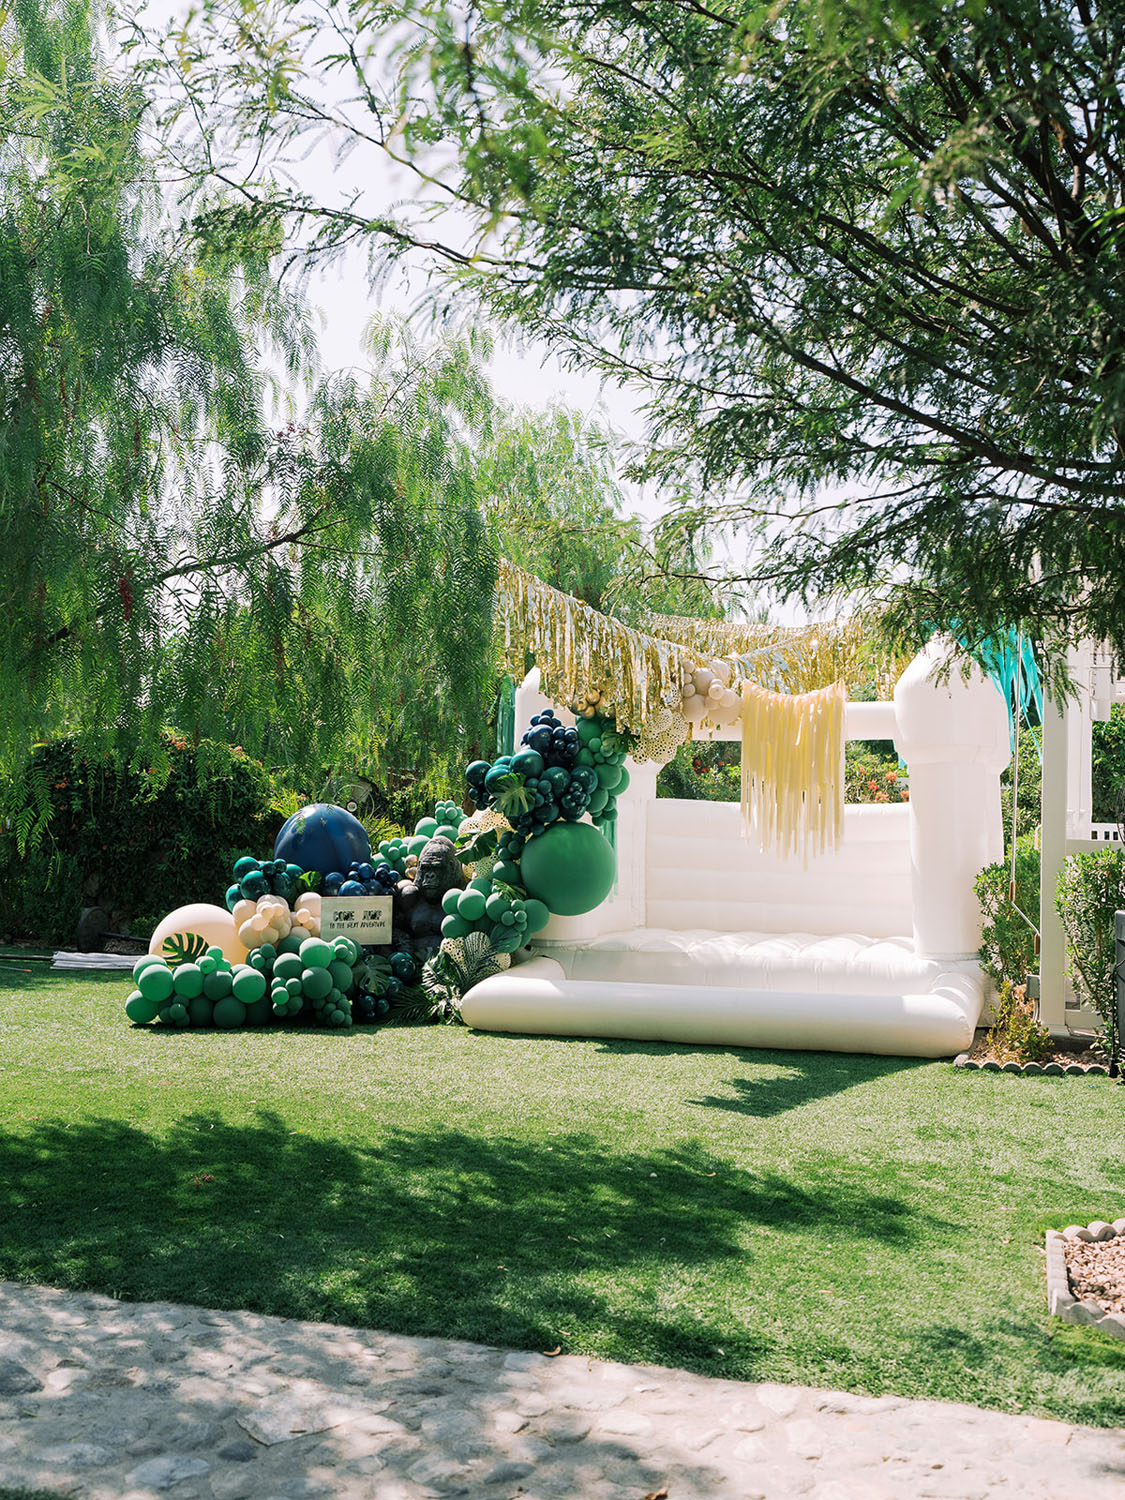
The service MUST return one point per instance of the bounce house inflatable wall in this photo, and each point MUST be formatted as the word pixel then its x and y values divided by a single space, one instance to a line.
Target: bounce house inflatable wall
pixel 867 947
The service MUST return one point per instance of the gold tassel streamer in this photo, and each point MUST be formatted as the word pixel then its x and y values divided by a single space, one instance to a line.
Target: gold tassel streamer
pixel 793 768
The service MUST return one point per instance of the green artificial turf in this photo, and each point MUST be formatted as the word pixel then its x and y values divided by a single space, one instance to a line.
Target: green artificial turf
pixel 871 1224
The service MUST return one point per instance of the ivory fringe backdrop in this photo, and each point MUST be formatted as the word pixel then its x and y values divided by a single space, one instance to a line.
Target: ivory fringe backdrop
pixel 793 768
pixel 792 742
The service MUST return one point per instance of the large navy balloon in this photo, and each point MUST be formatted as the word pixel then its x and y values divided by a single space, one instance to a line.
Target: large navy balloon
pixel 322 837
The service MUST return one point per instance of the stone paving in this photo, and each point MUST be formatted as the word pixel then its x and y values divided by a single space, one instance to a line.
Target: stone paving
pixel 110 1400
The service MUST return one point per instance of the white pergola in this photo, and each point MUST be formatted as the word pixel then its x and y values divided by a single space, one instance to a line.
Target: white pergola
pixel 1068 825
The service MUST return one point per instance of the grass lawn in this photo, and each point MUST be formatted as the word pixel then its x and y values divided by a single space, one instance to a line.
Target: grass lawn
pixel 870 1224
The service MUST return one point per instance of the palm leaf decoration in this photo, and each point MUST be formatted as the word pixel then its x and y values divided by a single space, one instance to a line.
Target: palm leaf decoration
pixel 455 968
pixel 183 948
pixel 512 797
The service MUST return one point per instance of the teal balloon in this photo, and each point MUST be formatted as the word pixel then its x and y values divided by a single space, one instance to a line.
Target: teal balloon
pixel 570 867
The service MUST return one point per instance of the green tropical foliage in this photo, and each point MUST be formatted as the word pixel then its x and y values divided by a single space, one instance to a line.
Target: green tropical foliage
pixel 863 261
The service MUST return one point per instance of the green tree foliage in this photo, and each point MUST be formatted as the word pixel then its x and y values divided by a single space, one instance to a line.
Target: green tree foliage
pixel 321 594
pixel 865 259
pixel 137 842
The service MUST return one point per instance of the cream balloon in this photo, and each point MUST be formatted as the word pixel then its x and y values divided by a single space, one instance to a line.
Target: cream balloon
pixel 716 691
pixel 721 670
pixel 243 911
pixel 702 679
pixel 214 925
pixel 694 708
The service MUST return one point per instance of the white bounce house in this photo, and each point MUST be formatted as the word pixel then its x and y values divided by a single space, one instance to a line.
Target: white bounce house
pixel 869 947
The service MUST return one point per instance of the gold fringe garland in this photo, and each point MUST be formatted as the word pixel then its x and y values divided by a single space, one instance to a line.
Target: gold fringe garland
pixel 792 743
pixel 793 768
pixel 792 658
pixel 578 649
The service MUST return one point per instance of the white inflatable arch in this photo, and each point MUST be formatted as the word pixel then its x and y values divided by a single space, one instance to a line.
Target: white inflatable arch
pixel 870 948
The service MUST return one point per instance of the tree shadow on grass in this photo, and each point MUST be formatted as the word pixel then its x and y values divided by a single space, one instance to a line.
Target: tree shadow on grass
pixel 808 1076
pixel 498 1240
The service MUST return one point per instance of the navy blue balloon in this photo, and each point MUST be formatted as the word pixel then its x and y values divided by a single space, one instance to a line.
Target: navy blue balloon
pixel 322 837
pixel 351 888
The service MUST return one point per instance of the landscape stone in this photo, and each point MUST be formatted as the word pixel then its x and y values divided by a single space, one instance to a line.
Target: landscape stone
pixel 168 1470
pixel 15 1380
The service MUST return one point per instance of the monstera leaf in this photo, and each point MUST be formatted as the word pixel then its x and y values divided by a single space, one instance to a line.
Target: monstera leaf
pixel 478 846
pixel 183 948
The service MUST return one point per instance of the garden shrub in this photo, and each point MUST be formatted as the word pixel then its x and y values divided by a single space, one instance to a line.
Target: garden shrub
pixel 1091 888
pixel 1007 943
pixel 134 840
pixel 1016 1034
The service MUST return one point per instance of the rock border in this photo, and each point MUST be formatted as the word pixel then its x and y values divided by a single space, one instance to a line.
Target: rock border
pixel 1061 1301
pixel 1032 1069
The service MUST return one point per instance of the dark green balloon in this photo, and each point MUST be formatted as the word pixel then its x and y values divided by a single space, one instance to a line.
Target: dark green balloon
pixel 570 867
pixel 200 1011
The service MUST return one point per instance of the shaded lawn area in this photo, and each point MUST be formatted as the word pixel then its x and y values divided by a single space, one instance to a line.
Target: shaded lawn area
pixel 866 1224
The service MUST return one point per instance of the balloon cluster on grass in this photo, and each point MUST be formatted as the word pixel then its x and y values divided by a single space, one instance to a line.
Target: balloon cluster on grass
pixel 316 980
pixel 507 918
pixel 209 992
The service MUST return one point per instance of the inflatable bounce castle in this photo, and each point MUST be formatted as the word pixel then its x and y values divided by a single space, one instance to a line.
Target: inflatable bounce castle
pixel 868 946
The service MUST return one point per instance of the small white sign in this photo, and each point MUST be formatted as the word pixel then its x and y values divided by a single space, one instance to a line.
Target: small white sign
pixel 364 919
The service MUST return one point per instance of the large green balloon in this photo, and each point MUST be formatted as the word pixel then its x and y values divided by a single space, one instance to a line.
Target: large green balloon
pixel 155 983
pixel 570 867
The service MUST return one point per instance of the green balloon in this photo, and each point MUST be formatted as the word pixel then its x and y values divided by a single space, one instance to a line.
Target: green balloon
pixel 570 867
pixel 537 915
pixel 340 973
pixel 145 963
pixel 259 1012
pixel 244 865
pixel 450 902
pixel 248 984
pixel 316 953
pixel 425 828
pixel 609 775
pixel 233 896
pixel 623 784
pixel 140 1010
pixel 470 905
pixel 229 1013
pixel 454 927
pixel 287 966
pixel 155 983
pixel 217 985
pixel 316 983
pixel 200 1010
pixel 187 981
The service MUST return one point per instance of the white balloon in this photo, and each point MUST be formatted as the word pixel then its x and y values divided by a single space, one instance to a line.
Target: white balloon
pixel 720 669
pixel 715 691
pixel 243 911
pixel 694 708
pixel 702 680
pixel 730 698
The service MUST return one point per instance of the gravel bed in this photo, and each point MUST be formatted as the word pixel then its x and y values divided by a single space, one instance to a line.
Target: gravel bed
pixel 1097 1272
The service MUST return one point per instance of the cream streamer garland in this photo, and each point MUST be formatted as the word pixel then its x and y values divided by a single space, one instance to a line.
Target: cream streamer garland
pixel 793 768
